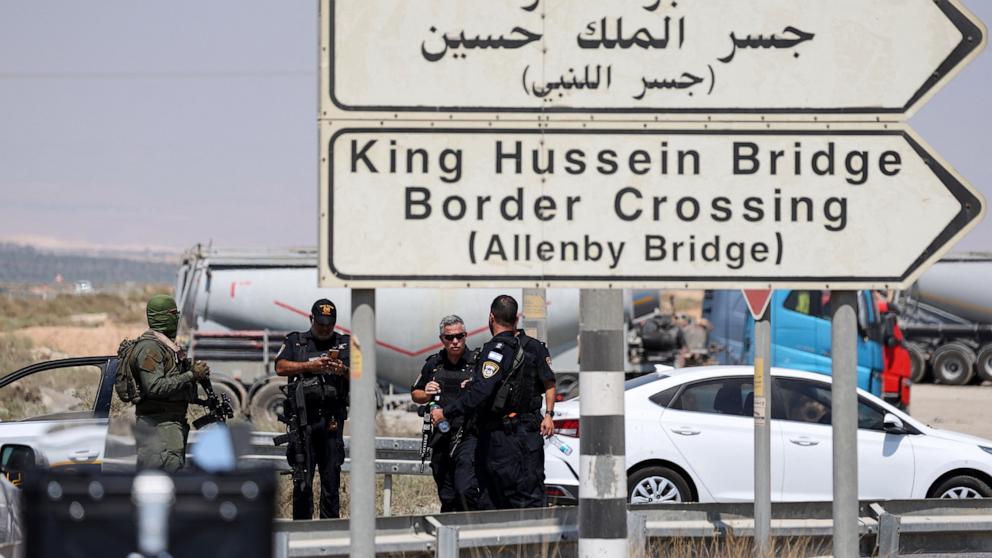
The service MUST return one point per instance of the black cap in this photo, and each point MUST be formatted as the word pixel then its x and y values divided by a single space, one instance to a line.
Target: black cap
pixel 324 312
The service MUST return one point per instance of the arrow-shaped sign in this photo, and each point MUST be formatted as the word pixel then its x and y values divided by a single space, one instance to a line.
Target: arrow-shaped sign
pixel 759 57
pixel 738 206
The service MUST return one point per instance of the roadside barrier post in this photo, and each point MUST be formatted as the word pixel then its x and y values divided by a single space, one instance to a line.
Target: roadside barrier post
pixel 602 469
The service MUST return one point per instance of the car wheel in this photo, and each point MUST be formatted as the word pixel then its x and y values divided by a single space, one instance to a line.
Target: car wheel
pixel 962 487
pixel 953 364
pixel 657 485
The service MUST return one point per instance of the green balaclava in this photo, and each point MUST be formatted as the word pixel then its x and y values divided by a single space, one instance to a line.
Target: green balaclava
pixel 163 316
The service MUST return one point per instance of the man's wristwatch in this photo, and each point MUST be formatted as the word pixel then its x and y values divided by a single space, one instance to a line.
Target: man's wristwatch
pixel 549 413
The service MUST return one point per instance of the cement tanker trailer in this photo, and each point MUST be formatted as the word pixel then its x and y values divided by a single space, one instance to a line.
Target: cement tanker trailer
pixel 946 317
pixel 237 307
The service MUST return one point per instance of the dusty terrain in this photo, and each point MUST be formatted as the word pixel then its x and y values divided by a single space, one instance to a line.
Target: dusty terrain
pixel 966 409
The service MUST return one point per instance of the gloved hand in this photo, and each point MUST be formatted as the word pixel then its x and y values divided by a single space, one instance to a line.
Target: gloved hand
pixel 201 370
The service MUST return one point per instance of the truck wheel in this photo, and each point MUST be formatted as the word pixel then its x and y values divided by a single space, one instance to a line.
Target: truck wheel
pixel 984 364
pixel 266 405
pixel 953 364
pixel 918 362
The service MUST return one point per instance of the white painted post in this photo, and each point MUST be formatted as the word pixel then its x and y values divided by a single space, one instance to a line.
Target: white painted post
pixel 602 470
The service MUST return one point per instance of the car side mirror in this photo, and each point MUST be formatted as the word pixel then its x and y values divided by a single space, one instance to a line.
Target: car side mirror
pixel 16 460
pixel 893 424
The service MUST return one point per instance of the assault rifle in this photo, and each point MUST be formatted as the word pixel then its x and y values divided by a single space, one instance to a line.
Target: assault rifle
pixel 219 407
pixel 426 429
pixel 298 433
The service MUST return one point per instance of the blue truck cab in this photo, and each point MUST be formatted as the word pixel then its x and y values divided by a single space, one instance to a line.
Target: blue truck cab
pixel 800 331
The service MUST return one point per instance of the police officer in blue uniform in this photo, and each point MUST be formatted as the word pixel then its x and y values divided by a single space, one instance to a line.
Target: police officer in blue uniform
pixel 442 379
pixel 504 402
pixel 317 361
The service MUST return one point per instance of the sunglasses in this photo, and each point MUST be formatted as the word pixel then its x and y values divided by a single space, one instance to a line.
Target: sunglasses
pixel 453 336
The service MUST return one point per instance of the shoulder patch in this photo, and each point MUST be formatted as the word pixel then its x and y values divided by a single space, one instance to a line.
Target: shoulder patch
pixel 499 345
pixel 493 355
pixel 489 369
pixel 152 359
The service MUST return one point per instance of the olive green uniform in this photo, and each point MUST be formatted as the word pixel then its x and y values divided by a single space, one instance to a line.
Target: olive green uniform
pixel 167 390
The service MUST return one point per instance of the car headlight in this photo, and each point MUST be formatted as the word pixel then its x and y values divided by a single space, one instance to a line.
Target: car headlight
pixel 987 450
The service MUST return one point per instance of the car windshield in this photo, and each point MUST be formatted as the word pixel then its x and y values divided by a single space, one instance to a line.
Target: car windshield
pixel 645 379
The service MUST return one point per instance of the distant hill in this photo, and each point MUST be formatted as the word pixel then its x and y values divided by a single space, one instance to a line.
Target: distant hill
pixel 26 264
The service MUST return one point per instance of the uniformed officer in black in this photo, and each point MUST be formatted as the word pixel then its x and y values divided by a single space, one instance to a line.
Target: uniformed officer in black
pixel 442 379
pixel 320 356
pixel 504 399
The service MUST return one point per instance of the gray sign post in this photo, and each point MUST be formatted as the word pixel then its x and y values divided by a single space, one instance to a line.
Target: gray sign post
pixel 602 469
pixel 844 415
pixel 362 424
pixel 762 435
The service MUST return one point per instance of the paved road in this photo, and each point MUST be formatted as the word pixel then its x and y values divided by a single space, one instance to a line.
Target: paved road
pixel 966 409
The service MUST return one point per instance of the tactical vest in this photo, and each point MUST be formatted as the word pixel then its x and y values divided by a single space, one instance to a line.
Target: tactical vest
pixel 451 379
pixel 327 393
pixel 516 394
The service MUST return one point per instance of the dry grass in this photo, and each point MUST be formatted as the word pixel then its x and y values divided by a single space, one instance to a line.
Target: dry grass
pixel 15 352
pixel 129 307
pixel 733 547
pixel 412 495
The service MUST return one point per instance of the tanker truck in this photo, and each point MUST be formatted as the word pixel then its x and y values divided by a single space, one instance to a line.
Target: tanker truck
pixel 946 317
pixel 238 305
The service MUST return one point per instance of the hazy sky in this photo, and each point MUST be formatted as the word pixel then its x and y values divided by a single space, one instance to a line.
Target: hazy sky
pixel 136 123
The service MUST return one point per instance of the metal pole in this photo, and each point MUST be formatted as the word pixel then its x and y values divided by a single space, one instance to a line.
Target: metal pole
pixel 844 414
pixel 362 448
pixel 535 322
pixel 762 435
pixel 602 469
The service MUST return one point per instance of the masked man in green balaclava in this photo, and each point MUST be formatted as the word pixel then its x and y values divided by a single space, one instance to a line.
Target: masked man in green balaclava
pixel 167 388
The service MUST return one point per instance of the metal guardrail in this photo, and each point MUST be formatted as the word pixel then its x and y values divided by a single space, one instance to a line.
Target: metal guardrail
pixel 393 456
pixel 887 528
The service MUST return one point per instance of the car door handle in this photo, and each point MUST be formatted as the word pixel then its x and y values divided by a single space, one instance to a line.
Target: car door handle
pixel 804 441
pixel 83 455
pixel 685 431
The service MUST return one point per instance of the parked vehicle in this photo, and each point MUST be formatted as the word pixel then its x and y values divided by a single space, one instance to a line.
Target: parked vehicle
pixel 800 332
pixel 946 317
pixel 61 409
pixel 690 437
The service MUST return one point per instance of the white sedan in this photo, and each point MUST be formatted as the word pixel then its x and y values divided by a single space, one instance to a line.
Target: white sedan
pixel 690 437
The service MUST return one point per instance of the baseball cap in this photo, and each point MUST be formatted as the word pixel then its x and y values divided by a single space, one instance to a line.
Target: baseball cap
pixel 324 312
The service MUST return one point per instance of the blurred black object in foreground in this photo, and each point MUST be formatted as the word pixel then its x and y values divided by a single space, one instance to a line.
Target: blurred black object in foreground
pixel 149 515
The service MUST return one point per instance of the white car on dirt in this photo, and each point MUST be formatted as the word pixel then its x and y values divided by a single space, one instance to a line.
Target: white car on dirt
pixel 690 437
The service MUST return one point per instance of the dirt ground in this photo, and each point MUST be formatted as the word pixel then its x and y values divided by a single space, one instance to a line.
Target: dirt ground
pixel 966 409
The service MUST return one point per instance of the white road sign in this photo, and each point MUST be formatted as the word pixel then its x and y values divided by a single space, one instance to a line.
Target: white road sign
pixel 726 206
pixel 401 59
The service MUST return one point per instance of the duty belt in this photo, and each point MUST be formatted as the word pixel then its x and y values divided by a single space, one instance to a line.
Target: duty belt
pixel 511 422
